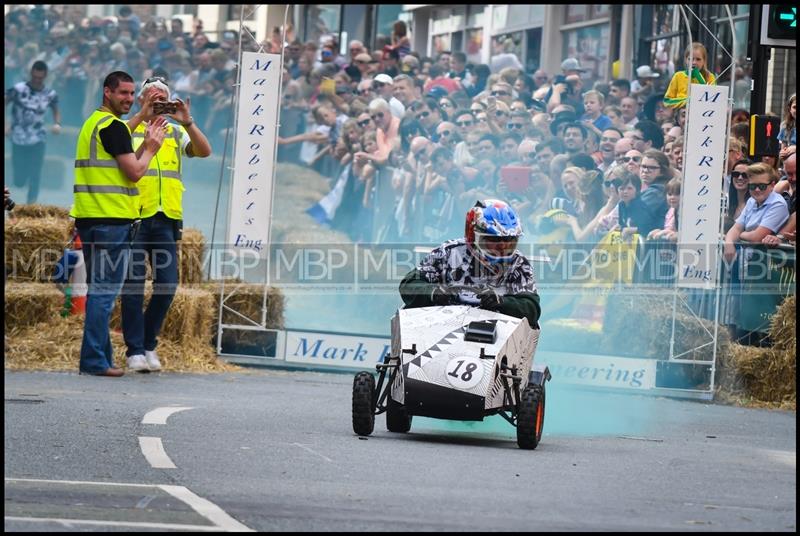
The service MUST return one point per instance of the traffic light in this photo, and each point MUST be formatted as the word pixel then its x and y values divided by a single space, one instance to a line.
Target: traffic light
pixel 764 135
pixel 782 22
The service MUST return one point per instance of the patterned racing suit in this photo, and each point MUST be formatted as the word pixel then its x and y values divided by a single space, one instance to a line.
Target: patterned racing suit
pixel 453 263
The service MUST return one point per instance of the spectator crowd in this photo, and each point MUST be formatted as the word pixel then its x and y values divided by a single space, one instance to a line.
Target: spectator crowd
pixel 410 142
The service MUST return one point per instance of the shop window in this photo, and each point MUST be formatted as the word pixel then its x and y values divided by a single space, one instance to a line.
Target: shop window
pixel 508 42
pixel 441 43
pixel 474 45
pixel 577 13
pixel 533 50
pixel 590 46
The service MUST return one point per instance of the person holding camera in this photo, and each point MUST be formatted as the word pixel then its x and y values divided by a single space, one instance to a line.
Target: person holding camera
pixel 161 203
pixel 567 87
pixel 106 209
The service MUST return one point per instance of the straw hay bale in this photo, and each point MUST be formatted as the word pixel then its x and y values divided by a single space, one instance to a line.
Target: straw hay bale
pixel 33 246
pixel 192 316
pixel 36 210
pixel 27 304
pixel 56 346
pixel 191 254
pixel 764 376
pixel 248 299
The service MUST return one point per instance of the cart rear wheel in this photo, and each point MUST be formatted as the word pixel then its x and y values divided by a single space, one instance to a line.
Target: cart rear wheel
pixel 363 408
pixel 530 417
pixel 397 417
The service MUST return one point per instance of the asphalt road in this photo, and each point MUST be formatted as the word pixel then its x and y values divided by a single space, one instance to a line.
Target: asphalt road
pixel 272 450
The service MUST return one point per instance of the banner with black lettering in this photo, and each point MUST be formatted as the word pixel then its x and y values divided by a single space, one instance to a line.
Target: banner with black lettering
pixel 250 206
pixel 701 193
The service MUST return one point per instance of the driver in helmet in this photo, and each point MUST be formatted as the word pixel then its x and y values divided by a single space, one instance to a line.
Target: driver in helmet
pixel 486 258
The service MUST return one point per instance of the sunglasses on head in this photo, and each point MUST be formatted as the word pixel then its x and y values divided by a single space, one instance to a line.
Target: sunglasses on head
pixel 627 159
pixel 155 79
pixel 760 187
pixel 739 174
pixel 363 123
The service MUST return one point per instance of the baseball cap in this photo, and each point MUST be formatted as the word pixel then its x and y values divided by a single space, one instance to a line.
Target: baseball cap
pixel 572 64
pixel 437 92
pixel 383 79
pixel 644 71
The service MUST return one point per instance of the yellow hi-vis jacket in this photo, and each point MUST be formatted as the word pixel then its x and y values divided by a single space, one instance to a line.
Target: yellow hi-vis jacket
pixel 161 188
pixel 101 189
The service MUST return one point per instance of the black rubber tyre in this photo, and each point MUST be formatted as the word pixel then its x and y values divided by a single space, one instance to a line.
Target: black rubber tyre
pixel 363 410
pixel 397 418
pixel 530 417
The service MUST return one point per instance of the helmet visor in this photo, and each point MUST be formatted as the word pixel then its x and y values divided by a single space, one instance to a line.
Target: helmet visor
pixel 496 246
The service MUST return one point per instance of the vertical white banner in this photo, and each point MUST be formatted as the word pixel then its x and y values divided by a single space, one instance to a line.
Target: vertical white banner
pixel 254 152
pixel 701 192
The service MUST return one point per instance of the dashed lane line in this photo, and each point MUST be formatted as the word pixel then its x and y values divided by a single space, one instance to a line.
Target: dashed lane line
pixel 154 452
pixel 160 415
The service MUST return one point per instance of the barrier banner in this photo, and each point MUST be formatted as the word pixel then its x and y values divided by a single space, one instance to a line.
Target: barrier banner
pixel 701 194
pixel 254 152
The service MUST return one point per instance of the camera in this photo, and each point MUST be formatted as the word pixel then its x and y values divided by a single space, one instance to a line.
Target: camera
pixel 9 204
pixel 165 107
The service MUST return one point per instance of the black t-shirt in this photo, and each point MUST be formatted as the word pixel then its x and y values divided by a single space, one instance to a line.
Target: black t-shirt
pixel 116 140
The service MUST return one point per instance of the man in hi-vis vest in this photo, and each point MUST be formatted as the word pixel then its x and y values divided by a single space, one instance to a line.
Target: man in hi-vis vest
pixel 160 198
pixel 106 209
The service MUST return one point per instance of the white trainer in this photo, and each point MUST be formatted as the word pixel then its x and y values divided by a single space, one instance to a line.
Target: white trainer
pixel 152 360
pixel 138 363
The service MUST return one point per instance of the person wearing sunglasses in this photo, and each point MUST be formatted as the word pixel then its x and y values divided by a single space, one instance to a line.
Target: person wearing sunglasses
pixel 608 139
pixel 502 92
pixel 632 160
pixel 427 113
pixel 738 193
pixel 764 213
pixel 448 134
pixel 387 131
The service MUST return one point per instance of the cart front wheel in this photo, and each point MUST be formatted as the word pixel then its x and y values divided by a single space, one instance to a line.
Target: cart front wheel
pixel 363 408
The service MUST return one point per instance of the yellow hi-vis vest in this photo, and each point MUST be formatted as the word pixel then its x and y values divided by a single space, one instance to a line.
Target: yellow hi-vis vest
pixel 161 187
pixel 101 190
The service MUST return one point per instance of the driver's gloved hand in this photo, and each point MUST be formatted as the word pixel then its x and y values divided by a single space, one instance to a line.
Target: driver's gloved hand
pixel 490 299
pixel 441 295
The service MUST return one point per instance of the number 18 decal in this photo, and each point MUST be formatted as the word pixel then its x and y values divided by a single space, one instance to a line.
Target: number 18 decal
pixel 464 372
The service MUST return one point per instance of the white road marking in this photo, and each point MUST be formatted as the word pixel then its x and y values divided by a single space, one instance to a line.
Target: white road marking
pixel 160 415
pixel 202 506
pixel 70 523
pixel 785 457
pixel 313 452
pixel 155 454
pixel 206 508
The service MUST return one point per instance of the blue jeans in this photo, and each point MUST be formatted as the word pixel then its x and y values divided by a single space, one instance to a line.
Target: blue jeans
pixel 105 251
pixel 156 240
